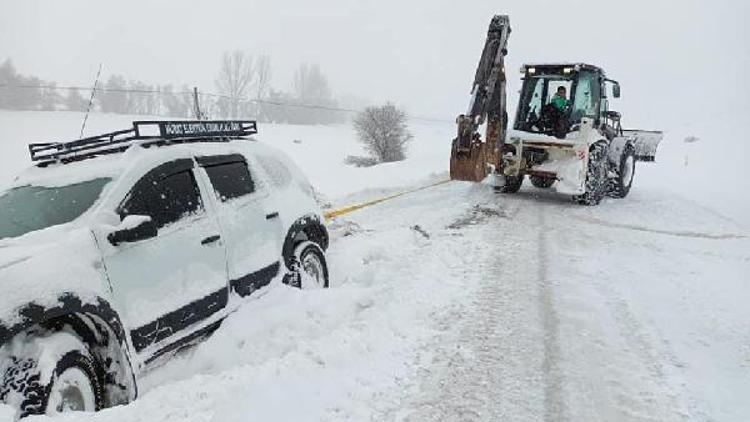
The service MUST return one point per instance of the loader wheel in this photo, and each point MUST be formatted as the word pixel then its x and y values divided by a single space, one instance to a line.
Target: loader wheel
pixel 542 182
pixel 512 184
pixel 619 186
pixel 596 176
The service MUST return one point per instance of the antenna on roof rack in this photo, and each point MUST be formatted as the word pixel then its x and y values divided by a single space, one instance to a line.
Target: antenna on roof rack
pixel 91 100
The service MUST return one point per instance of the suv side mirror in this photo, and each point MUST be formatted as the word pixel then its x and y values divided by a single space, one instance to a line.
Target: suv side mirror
pixel 616 90
pixel 132 229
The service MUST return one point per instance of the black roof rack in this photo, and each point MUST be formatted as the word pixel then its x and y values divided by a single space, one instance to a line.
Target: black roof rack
pixel 145 133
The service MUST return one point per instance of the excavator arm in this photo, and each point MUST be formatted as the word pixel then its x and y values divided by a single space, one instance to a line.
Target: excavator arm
pixel 472 158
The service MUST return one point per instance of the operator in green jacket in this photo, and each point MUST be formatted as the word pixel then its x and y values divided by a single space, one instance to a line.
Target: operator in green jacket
pixel 560 100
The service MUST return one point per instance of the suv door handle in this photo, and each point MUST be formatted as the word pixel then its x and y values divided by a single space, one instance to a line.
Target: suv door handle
pixel 272 215
pixel 210 239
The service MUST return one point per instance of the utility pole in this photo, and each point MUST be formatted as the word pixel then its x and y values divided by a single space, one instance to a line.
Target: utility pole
pixel 198 114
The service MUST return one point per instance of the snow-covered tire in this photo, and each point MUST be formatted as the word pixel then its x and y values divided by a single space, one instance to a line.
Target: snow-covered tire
pixel 512 184
pixel 74 384
pixel 596 176
pixel 21 387
pixel 309 267
pixel 624 171
pixel 542 182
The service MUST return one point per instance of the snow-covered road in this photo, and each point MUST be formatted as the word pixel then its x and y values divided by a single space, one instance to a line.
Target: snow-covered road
pixel 592 314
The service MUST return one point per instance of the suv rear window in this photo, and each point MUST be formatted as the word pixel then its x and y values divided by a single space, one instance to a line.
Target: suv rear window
pixel 231 180
pixel 277 171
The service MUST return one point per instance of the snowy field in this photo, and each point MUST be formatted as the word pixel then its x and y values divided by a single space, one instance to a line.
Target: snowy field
pixel 457 304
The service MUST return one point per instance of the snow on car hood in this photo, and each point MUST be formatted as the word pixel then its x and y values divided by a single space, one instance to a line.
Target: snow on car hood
pixel 42 267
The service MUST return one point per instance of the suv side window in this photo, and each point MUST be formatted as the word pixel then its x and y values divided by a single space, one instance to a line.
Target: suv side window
pixel 165 197
pixel 229 176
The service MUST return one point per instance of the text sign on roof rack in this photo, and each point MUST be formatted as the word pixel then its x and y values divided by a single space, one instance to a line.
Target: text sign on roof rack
pixel 169 129
pixel 179 129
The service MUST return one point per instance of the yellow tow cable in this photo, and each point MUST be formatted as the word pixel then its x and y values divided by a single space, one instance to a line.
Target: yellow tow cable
pixel 330 215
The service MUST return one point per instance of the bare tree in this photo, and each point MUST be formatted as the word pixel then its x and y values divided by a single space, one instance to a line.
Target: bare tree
pixel 310 84
pixel 262 85
pixel 51 98
pixel 383 131
pixel 136 102
pixel 263 76
pixel 114 99
pixel 313 97
pixel 236 76
pixel 175 104
pixel 74 101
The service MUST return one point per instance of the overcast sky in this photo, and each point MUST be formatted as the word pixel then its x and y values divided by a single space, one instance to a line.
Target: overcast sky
pixel 687 59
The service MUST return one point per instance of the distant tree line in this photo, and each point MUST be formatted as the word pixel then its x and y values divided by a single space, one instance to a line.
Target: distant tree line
pixel 242 90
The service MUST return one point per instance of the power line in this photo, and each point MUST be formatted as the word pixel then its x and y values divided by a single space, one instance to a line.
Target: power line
pixel 85 88
pixel 207 94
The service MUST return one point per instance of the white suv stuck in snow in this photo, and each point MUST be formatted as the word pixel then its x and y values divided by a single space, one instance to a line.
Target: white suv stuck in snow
pixel 119 249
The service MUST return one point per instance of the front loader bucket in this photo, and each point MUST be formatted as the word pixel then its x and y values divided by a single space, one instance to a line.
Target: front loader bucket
pixel 469 164
pixel 646 142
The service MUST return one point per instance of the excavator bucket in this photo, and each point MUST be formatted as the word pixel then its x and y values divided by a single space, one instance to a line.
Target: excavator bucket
pixel 468 153
pixel 471 157
pixel 469 164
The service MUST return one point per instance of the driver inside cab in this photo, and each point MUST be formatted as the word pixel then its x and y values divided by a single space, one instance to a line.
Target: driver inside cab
pixel 560 99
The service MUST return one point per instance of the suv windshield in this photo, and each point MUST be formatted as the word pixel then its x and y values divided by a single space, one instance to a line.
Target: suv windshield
pixel 29 208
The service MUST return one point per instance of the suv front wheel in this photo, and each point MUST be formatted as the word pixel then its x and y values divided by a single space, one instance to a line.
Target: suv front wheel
pixel 51 374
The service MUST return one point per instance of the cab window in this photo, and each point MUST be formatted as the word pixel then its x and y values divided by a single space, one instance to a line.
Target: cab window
pixel 586 96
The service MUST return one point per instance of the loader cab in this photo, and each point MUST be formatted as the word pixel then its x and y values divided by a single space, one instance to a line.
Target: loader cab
pixel 586 97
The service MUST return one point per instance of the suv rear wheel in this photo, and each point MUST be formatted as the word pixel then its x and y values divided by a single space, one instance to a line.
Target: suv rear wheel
pixel 309 267
pixel 314 267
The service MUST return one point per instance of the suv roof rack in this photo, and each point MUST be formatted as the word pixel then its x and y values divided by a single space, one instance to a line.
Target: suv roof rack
pixel 145 133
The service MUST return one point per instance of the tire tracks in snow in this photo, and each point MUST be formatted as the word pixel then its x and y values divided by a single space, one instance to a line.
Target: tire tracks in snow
pixel 677 233
pixel 613 357
pixel 554 403
pixel 497 357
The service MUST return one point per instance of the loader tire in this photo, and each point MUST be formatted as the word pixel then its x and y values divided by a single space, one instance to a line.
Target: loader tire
pixel 542 182
pixel 596 176
pixel 512 184
pixel 619 186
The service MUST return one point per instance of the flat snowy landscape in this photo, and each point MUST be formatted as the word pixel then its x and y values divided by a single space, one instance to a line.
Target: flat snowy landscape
pixel 454 303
